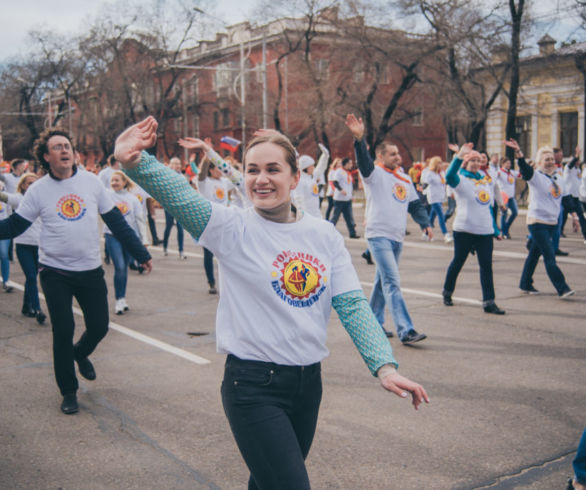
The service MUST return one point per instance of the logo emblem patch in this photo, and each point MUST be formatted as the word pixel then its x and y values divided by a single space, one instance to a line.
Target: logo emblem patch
pixel 123 207
pixel 400 192
pixel 298 278
pixel 71 207
pixel 220 193
pixel 483 196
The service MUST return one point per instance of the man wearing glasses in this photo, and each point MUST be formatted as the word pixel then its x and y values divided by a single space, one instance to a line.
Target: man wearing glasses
pixel 69 203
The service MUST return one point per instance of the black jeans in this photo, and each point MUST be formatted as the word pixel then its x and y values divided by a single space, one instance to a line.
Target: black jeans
pixel 464 243
pixel 153 229
pixel 89 288
pixel 28 256
pixel 208 264
pixel 542 244
pixel 272 411
pixel 345 208
pixel 169 222
pixel 330 207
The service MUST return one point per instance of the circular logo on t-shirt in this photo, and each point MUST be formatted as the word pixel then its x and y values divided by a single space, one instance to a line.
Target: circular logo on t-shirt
pixel 510 179
pixel 123 207
pixel 315 190
pixel 220 193
pixel 555 191
pixel 1 206
pixel 483 196
pixel 400 192
pixel 139 197
pixel 71 207
pixel 297 279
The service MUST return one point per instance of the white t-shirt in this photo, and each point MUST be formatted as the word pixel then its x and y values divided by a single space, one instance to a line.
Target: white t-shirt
pixel 474 199
pixel 10 184
pixel 387 200
pixel 142 197
pixel 105 176
pixel 131 209
pixel 32 234
pixel 344 179
pixel 277 281
pixel 306 195
pixel 215 190
pixel 69 212
pixel 436 187
pixel 571 180
pixel 506 180
pixel 545 198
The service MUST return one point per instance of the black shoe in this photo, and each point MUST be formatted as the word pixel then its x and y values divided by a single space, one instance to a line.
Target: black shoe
pixel 213 290
pixel 366 256
pixel 448 299
pixel 494 309
pixel 413 337
pixel 132 266
pixel 570 484
pixel 69 404
pixel 157 242
pixel 561 253
pixel 107 260
pixel 529 290
pixel 86 368
pixel 355 236
pixel 41 317
pixel 26 311
pixel 388 334
pixel 7 288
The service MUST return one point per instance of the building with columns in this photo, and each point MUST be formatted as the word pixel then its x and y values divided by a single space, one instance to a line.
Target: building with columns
pixel 550 107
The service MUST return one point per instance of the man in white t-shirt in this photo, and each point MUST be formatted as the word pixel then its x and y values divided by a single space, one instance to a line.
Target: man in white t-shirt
pixel 343 185
pixel 69 201
pixel 390 195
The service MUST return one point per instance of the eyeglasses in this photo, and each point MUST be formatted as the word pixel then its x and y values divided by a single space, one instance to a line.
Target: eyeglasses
pixel 61 147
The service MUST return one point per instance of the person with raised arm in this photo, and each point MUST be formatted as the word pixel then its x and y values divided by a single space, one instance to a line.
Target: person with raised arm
pixel 292 272
pixel 507 179
pixel 390 195
pixel 306 194
pixel 69 201
pixel 474 225
pixel 545 196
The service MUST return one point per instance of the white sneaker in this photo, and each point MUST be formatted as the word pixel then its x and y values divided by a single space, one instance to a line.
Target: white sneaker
pixel 124 304
pixel 425 237
pixel 182 256
pixel 165 252
pixel 448 238
pixel 119 306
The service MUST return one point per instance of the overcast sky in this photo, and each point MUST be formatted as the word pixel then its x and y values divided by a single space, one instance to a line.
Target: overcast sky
pixel 67 16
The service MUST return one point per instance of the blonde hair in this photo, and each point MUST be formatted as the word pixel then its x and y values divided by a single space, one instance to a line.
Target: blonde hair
pixel 280 140
pixel 23 179
pixel 542 151
pixel 435 164
pixel 128 183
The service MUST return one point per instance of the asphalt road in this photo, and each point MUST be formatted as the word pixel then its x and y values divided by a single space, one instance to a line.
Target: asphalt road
pixel 508 393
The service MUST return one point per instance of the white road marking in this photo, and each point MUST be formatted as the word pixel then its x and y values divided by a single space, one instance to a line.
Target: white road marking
pixel 139 336
pixel 428 294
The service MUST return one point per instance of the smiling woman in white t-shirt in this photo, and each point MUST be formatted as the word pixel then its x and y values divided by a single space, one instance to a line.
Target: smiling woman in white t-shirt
pixel 279 280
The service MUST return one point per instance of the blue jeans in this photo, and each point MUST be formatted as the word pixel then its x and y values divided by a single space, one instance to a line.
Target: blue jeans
pixel 436 210
pixel 345 208
pixel 272 411
pixel 557 230
pixel 387 284
pixel 169 222
pixel 579 463
pixel 28 256
pixel 506 223
pixel 121 258
pixel 208 264
pixel 543 244
pixel 465 243
pixel 4 260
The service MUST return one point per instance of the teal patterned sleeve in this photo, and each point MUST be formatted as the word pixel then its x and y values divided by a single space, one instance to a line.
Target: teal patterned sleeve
pixel 173 192
pixel 362 326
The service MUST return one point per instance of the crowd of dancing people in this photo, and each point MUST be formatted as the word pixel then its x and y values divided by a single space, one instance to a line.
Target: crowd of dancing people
pixel 263 221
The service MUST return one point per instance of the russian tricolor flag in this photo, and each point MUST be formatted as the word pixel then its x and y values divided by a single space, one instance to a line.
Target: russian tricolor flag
pixel 229 143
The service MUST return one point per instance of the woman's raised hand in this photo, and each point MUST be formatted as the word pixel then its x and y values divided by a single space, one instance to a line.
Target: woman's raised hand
pixel 193 144
pixel 465 149
pixel 511 143
pixel 356 126
pixel 134 140
pixel 454 148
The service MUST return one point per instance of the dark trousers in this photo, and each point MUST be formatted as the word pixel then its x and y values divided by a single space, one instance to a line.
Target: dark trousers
pixel 464 243
pixel 153 229
pixel 543 244
pixel 208 264
pixel 573 205
pixel 272 411
pixel 330 207
pixel 28 256
pixel 344 208
pixel 89 289
pixel 169 222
